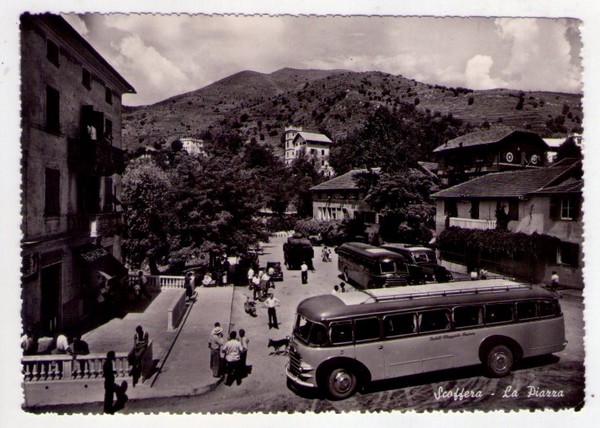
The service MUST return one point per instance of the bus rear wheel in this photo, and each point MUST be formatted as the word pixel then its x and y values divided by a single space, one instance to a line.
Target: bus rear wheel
pixel 341 383
pixel 499 361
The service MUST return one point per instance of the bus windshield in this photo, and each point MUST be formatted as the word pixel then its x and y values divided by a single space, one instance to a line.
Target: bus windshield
pixel 309 332
pixel 387 267
pixel 424 257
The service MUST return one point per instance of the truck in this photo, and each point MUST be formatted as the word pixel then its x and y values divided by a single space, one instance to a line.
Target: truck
pixel 296 250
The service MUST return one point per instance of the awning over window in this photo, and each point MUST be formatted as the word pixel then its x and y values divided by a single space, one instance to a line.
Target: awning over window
pixel 97 258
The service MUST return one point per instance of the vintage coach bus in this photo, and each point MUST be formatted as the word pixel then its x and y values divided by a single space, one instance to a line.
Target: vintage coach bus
pixel 368 266
pixel 341 342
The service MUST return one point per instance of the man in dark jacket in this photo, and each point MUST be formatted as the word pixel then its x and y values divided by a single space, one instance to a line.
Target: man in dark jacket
pixel 109 382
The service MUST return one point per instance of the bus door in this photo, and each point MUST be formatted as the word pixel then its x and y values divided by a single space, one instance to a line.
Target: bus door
pixel 436 344
pixel 402 358
pixel 368 348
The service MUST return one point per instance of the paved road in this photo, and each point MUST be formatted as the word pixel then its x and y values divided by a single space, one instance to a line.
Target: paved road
pixel 265 388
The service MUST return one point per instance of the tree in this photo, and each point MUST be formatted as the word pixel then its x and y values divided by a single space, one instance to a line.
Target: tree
pixel 403 201
pixel 568 149
pixel 145 186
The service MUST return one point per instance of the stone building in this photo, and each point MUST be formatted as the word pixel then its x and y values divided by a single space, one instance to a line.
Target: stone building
pixel 311 144
pixel 71 166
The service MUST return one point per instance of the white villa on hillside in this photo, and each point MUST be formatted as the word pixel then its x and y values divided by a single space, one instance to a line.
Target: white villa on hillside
pixel 311 144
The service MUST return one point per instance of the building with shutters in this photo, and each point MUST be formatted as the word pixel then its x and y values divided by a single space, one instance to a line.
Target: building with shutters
pixel 71 174
pixel 545 201
pixel 499 149
pixel 310 144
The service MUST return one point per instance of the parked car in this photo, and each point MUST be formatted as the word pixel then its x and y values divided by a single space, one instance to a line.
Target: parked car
pixel 277 271
pixel 424 258
pixel 316 239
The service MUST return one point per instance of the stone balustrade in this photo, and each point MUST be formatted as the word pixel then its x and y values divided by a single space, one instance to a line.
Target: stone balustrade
pixel 160 281
pixel 44 368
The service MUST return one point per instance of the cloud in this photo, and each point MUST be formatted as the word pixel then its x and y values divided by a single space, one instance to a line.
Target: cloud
pixel 540 56
pixel 477 73
pixel 76 22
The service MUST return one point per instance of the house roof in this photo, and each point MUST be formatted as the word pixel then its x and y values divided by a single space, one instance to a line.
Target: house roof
pixel 507 184
pixel 343 182
pixel 313 137
pixel 571 185
pixel 490 136
pixel 430 168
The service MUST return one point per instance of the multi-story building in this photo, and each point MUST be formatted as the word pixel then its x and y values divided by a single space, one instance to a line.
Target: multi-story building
pixel 498 149
pixel 71 166
pixel 340 198
pixel 545 201
pixel 194 146
pixel 311 144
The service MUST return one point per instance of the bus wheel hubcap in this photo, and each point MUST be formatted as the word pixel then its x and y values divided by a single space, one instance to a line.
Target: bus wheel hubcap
pixel 342 381
pixel 500 361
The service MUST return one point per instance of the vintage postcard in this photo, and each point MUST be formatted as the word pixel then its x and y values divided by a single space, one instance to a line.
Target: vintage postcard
pixel 309 213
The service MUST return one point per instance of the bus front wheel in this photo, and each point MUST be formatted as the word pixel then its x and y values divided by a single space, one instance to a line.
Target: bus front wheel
pixel 499 361
pixel 341 383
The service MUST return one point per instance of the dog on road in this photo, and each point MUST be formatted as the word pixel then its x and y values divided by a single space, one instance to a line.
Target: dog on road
pixel 278 344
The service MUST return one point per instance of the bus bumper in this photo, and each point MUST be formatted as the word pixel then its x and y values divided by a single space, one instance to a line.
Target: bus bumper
pixel 297 380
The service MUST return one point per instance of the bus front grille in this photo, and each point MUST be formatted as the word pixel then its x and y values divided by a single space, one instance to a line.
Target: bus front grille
pixel 294 362
pixel 395 282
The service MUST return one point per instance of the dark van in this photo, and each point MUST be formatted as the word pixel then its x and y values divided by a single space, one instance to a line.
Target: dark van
pixel 423 258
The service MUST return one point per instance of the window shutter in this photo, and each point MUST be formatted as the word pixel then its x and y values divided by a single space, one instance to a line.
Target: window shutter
pixel 576 201
pixel 554 208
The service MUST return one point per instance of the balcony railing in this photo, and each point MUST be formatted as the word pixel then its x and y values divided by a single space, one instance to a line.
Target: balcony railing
pixel 160 281
pixel 103 224
pixel 470 223
pixel 95 157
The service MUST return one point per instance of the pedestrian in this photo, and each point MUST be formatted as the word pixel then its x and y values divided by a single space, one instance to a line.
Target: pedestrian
pixel 225 271
pixel 250 277
pixel 120 392
pixel 109 382
pixel 554 280
pixel 335 290
pixel 304 272
pixel 231 351
pixel 244 341
pixel 474 274
pixel 265 282
pixel 271 303
pixel 256 286
pixel 140 345
pixel 483 273
pixel 189 288
pixel 343 286
pixel 250 307
pixel 214 344
pixel 143 285
pixel 79 347
pixel 62 344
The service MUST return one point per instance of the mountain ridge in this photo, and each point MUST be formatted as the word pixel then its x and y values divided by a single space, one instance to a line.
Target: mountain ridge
pixel 336 102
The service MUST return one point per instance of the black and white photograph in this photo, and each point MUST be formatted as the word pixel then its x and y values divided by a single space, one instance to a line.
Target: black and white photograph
pixel 309 213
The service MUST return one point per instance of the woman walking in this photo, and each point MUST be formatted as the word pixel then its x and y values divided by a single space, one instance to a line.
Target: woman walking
pixel 140 344
pixel 214 344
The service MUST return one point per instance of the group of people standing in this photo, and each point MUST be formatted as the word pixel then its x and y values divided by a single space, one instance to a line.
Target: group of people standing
pixel 228 358
pixel 260 282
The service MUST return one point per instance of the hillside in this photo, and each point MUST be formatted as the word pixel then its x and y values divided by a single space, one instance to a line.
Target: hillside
pixel 336 102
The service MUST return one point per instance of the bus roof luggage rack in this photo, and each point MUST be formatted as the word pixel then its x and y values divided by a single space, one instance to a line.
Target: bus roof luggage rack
pixel 447 292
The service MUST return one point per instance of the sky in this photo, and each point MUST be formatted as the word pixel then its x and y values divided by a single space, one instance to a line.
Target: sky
pixel 166 55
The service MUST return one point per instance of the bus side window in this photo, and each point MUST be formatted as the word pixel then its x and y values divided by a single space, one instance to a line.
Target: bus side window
pixel 366 329
pixel 434 320
pixel 467 316
pixel 341 332
pixel 548 308
pixel 318 335
pixel 500 312
pixel 525 310
pixel 398 325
